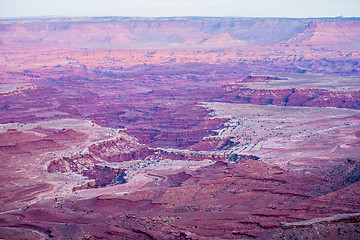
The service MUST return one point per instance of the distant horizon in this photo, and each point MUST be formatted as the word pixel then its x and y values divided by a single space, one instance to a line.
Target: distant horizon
pixel 168 17
pixel 184 8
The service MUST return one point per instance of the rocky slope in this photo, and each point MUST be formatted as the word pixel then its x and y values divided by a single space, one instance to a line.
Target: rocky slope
pixel 327 33
pixel 212 202
pixel 237 93
pixel 335 227
pixel 88 164
pixel 179 128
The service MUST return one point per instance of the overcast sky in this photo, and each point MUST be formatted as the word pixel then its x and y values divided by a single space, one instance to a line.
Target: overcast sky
pixel 166 8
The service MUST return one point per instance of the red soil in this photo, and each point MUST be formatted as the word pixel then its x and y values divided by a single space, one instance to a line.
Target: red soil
pixel 143 82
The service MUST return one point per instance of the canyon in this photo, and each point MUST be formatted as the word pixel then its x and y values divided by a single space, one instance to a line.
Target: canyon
pixel 180 128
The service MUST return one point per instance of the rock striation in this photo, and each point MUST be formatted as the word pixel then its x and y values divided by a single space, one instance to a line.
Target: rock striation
pixel 152 128
pixel 289 96
pixel 124 148
pixel 170 32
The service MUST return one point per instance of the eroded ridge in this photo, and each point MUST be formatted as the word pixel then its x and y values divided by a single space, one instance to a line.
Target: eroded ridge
pixel 179 128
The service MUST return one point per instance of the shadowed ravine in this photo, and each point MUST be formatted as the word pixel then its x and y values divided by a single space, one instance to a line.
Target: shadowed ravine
pixel 179 128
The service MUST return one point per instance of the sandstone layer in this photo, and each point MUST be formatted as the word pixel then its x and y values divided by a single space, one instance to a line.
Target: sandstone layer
pixel 179 128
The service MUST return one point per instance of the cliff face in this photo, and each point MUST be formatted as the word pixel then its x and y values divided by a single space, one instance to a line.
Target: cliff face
pixel 238 93
pixel 180 32
pixel 319 33
pixel 120 149
pixel 200 156
pixel 340 226
pixel 124 148
pixel 298 97
pixel 132 128
pixel 78 163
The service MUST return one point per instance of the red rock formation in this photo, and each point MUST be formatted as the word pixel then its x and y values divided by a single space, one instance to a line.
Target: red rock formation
pixel 200 32
pixel 340 226
pixel 119 149
pixel 292 97
pixel 13 136
pixel 87 165
pixel 210 202
pixel 327 33
pixel 13 142
pixel 104 176
pixel 66 135
pixel 260 78
pixel 75 163
pixel 301 96
pixel 339 99
pixel 50 70
pixel 212 143
pixel 199 156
